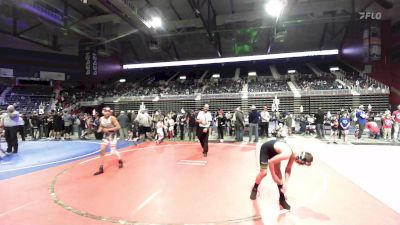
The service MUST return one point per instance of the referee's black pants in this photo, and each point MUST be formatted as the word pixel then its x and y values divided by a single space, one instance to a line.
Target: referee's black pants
pixel 12 138
pixel 203 138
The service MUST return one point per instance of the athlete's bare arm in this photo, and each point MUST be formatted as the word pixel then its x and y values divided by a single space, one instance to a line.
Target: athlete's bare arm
pixel 284 153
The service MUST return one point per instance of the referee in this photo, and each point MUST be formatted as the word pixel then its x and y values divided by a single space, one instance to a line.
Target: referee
pixel 204 120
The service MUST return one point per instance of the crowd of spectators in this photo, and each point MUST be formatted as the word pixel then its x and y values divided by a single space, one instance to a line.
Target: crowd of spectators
pixel 309 82
pixel 224 86
pixel 267 86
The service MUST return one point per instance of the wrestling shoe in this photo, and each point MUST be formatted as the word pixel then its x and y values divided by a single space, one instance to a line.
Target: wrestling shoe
pixel 253 195
pixel 284 204
pixel 101 170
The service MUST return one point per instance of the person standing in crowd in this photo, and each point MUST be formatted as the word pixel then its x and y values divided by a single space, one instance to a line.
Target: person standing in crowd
pixel 182 122
pixel 221 125
pixel 319 120
pixel 144 120
pixel 191 122
pixel 27 125
pixel 171 126
pixel 204 120
pixel 288 123
pixel 123 122
pixel 11 121
pixel 68 122
pixel 229 126
pixel 265 118
pixel 387 122
pixel 57 123
pixel 35 123
pixel 239 124
pixel 344 123
pixel 396 125
pixel 254 119
pixel 361 120
pixel 334 130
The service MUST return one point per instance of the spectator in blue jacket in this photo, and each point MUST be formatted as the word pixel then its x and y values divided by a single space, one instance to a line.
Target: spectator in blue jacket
pixel 254 119
pixel 361 120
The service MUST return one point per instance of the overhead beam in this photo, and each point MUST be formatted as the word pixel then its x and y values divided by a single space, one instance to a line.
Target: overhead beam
pixel 232 5
pixel 174 9
pixel 31 41
pixel 270 24
pixel 14 20
pixel 102 19
pixel 197 12
pixel 30 28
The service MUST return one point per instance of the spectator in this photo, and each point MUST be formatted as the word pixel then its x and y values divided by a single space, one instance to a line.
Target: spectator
pixel 319 120
pixel 334 130
pixel 396 115
pixel 182 123
pixel 239 124
pixel 123 121
pixel 68 122
pixel 254 119
pixel 373 128
pixel 344 122
pixel 265 118
pixel 191 121
pixel 387 121
pixel 221 122
pixel 361 120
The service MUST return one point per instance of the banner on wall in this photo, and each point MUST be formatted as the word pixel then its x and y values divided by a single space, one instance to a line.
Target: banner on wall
pixel 46 75
pixel 372 42
pixel 90 62
pixel 5 72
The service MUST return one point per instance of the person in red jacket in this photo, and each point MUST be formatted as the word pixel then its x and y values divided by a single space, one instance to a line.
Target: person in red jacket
pixel 373 128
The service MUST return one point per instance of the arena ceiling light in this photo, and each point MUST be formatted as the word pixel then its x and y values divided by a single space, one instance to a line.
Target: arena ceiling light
pixel 216 75
pixel 252 74
pixel 154 22
pixel 334 69
pixel 182 77
pixel 274 7
pixel 291 71
pixel 122 80
pixel 232 59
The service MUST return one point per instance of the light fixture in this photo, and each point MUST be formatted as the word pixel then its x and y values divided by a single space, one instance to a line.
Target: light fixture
pixel 231 59
pixel 154 22
pixel 122 80
pixel 291 71
pixel 216 75
pixel 274 7
pixel 252 74
pixel 334 69
pixel 182 77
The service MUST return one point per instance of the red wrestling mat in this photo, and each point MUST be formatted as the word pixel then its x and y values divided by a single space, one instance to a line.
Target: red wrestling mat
pixel 172 183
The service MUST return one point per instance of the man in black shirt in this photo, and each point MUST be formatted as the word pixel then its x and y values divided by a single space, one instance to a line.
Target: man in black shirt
pixel 191 121
pixel 319 120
